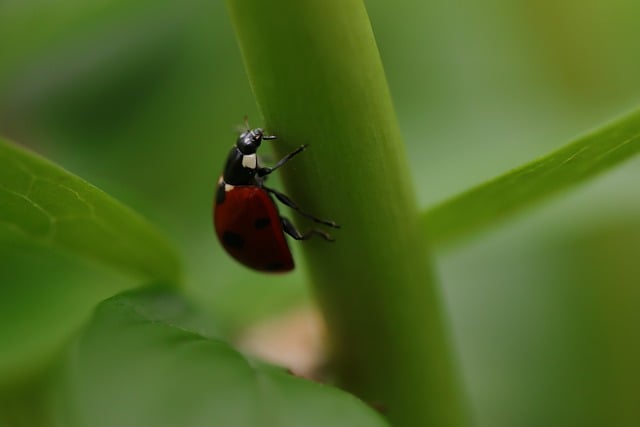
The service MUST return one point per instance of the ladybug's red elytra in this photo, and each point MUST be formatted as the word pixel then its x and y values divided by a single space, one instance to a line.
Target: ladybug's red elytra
pixel 246 217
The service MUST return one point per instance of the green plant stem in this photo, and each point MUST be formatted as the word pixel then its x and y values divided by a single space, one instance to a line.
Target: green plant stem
pixel 318 79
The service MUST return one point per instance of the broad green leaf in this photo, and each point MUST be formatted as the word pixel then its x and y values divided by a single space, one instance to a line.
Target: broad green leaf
pixel 47 204
pixel 140 363
pixel 506 195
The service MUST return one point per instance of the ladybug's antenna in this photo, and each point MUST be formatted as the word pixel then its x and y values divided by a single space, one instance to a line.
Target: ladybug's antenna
pixel 244 127
pixel 247 128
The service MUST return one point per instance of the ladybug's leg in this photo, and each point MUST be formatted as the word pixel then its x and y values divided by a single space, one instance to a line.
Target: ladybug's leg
pixel 262 172
pixel 288 202
pixel 292 231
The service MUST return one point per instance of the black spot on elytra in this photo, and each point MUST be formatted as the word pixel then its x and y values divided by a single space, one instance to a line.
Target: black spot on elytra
pixel 261 223
pixel 233 240
pixel 274 266
pixel 220 193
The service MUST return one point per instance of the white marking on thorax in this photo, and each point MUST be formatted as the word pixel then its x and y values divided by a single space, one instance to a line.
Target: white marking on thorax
pixel 228 187
pixel 250 161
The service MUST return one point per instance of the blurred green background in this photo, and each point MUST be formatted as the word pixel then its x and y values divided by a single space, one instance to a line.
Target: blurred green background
pixel 141 98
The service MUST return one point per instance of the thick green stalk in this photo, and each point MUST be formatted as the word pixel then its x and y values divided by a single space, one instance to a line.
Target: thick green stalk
pixel 318 79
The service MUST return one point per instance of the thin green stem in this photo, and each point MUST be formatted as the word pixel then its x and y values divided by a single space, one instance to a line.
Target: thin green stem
pixel 318 79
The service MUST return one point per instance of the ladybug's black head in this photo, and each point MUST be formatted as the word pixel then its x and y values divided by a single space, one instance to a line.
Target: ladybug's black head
pixel 249 141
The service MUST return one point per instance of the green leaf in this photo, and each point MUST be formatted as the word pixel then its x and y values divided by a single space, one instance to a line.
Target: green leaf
pixel 506 195
pixel 140 363
pixel 47 204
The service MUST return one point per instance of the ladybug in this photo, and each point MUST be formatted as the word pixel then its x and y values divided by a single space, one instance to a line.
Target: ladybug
pixel 246 217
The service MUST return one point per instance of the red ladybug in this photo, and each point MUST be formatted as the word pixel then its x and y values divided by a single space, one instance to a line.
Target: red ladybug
pixel 246 217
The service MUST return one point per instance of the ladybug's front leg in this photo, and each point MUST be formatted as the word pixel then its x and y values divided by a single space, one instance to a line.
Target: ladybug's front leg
pixel 262 172
pixel 292 231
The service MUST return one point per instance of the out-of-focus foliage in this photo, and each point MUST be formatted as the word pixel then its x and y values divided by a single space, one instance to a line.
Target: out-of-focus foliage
pixel 46 212
pixel 111 377
pixel 498 199
pixel 44 295
pixel 45 204
pixel 545 316
pixel 141 98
